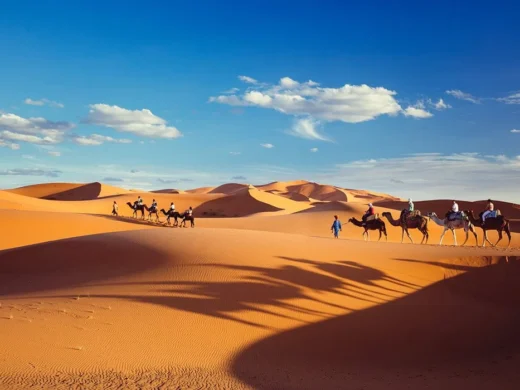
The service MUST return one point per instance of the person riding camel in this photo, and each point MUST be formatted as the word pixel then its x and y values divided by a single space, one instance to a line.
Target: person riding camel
pixel 138 202
pixel 406 212
pixel 453 212
pixel 172 207
pixel 189 212
pixel 490 207
pixel 368 213
pixel 154 205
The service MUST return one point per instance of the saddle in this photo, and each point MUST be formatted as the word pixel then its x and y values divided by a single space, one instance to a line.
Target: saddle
pixel 372 217
pixel 492 214
pixel 455 216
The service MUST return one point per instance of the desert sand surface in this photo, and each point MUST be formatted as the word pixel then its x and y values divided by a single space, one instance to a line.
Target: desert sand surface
pixel 258 295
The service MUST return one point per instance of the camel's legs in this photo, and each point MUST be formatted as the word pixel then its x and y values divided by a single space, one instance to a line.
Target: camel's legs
pixel 499 236
pixel 486 239
pixel 466 230
pixel 454 236
pixel 379 235
pixel 442 235
pixel 402 235
pixel 409 236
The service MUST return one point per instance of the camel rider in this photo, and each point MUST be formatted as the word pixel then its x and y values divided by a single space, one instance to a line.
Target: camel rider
pixel 454 211
pixel 189 212
pixel 490 207
pixel 172 208
pixel 408 211
pixel 368 213
pixel 154 205
pixel 138 202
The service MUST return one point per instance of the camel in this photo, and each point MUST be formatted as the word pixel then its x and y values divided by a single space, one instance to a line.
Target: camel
pixel 418 222
pixel 175 214
pixel 453 225
pixel 498 223
pixel 150 212
pixel 140 208
pixel 375 224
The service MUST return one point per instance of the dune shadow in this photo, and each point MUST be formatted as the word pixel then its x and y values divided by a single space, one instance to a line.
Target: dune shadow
pixel 461 329
pixel 270 291
pixel 74 262
pixel 85 192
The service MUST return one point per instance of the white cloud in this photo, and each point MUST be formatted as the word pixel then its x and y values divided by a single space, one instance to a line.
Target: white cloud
pixel 417 111
pixel 30 172
pixel 235 153
pixel 511 99
pixel 10 145
pixel 314 150
pixel 348 103
pixel 43 102
pixel 231 91
pixel 515 131
pixel 440 105
pixel 28 157
pixel 306 128
pixel 433 176
pixel 54 153
pixel 140 122
pixel 267 146
pixel 32 130
pixel 96 139
pixel 247 79
pixel 457 93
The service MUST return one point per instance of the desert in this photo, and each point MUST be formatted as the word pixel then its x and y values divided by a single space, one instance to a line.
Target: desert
pixel 257 295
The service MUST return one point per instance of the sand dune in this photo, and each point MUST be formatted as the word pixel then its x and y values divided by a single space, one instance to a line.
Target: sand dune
pixel 247 201
pixel 43 190
pixel 201 190
pixel 168 191
pixel 228 189
pixel 69 191
pixel 262 299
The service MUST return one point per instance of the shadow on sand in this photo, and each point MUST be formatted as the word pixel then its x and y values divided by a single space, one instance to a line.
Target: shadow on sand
pixel 457 332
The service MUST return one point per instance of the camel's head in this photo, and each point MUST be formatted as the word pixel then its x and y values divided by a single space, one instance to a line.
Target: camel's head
pixel 349 220
pixel 385 213
pixel 432 214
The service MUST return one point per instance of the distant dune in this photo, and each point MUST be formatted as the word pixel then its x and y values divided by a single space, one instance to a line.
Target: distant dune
pixel 69 191
pixel 44 190
pixel 168 191
pixel 201 190
pixel 228 189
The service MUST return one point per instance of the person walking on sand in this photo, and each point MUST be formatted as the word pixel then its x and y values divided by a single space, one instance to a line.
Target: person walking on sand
pixel 336 226
pixel 114 209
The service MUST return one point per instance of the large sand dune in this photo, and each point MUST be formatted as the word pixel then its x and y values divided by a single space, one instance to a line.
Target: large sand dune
pixel 262 299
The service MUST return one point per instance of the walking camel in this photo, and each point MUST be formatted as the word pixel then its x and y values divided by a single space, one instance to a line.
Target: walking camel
pixel 135 207
pixel 498 223
pixel 418 222
pixel 453 225
pixel 175 214
pixel 375 224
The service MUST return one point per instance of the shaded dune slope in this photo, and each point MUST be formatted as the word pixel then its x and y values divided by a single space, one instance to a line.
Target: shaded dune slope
pixel 458 332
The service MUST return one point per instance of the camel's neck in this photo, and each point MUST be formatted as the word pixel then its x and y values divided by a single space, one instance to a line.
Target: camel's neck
pixel 393 221
pixel 437 220
pixel 356 222
pixel 472 219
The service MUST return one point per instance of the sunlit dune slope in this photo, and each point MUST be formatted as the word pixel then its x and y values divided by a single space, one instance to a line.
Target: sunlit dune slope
pixel 228 189
pixel 201 190
pixel 45 189
pixel 247 201
pixel 9 200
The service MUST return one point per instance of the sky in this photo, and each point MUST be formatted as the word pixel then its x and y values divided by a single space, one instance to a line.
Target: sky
pixel 408 98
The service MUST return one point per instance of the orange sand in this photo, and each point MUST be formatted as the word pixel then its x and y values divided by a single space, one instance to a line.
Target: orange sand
pixel 265 300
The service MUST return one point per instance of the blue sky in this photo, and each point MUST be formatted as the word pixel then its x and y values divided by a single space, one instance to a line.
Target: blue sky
pixel 410 99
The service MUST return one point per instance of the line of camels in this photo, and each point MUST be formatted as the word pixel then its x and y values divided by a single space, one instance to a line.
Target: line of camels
pixel 420 222
pixel 169 214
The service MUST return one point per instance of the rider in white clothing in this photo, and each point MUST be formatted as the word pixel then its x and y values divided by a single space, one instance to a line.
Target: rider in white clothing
pixel 455 207
pixel 172 207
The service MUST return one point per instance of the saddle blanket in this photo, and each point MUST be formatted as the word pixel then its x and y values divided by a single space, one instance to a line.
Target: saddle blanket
pixel 455 216
pixel 372 217
pixel 492 214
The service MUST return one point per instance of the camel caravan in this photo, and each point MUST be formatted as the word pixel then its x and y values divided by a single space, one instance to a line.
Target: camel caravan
pixel 489 219
pixel 154 210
